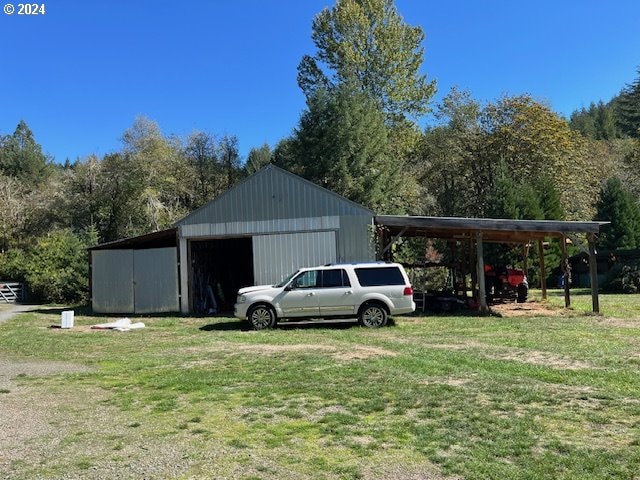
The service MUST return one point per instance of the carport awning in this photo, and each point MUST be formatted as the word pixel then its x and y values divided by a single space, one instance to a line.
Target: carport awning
pixel 496 230
pixel 493 229
pixel 159 239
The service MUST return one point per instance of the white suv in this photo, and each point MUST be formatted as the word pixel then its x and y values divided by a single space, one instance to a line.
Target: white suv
pixel 367 291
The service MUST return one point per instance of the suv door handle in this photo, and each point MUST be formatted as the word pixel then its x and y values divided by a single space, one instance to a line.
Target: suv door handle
pixel 348 292
pixel 310 294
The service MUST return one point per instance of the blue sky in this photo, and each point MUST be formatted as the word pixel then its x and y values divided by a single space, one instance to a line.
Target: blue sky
pixel 81 73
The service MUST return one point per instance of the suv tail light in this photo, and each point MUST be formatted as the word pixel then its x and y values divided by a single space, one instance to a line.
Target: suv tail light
pixel 408 290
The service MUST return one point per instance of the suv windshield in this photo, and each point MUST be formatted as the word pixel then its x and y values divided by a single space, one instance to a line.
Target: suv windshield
pixel 286 280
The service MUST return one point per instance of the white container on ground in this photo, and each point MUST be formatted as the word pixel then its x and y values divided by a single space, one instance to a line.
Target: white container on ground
pixel 67 319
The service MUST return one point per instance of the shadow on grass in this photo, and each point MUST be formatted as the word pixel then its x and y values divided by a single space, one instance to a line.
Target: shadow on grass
pixel 243 326
pixel 233 325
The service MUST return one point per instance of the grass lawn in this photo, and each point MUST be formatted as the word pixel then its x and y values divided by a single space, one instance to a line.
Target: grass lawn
pixel 429 397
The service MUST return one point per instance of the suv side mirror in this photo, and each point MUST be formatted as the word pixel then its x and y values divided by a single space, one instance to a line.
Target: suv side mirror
pixel 288 288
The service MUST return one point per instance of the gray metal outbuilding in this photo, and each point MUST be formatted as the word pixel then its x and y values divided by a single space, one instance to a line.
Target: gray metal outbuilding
pixel 262 230
pixel 136 275
pixel 257 232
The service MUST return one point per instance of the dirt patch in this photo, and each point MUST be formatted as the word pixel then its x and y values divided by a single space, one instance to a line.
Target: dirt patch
pixel 363 353
pixel 545 359
pixel 527 309
pixel 449 381
pixel 561 389
pixel 322 412
pixel 466 345
pixel 276 349
pixel 78 329
pixel 619 322
pixel 355 352
pixel 259 348
pixel 409 470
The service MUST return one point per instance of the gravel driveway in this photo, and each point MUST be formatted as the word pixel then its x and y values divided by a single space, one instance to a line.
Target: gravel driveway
pixel 61 431
pixel 8 311
pixel 24 415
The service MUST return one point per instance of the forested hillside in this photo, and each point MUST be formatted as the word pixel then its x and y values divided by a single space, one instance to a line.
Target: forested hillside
pixel 360 135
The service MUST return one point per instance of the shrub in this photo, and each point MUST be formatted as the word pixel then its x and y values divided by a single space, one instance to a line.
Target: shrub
pixel 55 268
pixel 623 279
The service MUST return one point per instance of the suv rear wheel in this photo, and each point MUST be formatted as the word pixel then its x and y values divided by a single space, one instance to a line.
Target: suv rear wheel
pixel 372 315
pixel 261 317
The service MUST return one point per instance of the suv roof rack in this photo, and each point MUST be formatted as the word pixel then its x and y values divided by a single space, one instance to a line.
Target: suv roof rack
pixel 379 262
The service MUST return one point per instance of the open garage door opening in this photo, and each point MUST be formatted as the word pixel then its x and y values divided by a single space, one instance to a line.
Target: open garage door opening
pixel 219 267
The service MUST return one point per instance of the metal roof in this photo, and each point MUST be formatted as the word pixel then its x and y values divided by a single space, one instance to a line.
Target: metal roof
pixel 492 229
pixel 159 239
pixel 271 194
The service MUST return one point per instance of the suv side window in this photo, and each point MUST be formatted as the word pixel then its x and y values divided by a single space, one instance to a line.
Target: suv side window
pixel 308 279
pixel 375 277
pixel 335 278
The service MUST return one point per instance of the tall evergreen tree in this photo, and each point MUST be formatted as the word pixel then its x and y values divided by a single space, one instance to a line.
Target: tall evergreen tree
pixel 258 158
pixel 629 108
pixel 616 205
pixel 342 144
pixel 598 122
pixel 504 196
pixel 21 156
pixel 548 198
pixel 368 44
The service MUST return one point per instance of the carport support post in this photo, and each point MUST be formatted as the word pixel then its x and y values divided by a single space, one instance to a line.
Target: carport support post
pixel 184 276
pixel 565 272
pixel 471 274
pixel 593 273
pixel 480 268
pixel 543 280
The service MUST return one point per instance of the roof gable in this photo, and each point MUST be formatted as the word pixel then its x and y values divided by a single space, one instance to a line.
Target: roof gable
pixel 273 193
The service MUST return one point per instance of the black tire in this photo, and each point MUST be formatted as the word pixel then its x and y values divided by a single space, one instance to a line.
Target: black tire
pixel 523 292
pixel 373 315
pixel 262 317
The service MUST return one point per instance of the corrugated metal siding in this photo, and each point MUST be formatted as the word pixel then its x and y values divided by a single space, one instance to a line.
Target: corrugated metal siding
pixel 355 239
pixel 112 281
pixel 156 280
pixel 276 256
pixel 260 227
pixel 272 194
pixel 135 281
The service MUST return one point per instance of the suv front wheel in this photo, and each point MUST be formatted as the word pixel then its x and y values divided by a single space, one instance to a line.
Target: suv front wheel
pixel 372 315
pixel 261 317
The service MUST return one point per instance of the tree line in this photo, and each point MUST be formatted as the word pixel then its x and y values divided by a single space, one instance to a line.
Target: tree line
pixel 52 212
pixel 360 135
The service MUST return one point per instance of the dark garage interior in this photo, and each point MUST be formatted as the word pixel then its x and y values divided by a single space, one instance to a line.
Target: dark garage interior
pixel 219 267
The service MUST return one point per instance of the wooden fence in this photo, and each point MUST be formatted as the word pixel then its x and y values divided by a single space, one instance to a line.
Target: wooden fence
pixel 11 292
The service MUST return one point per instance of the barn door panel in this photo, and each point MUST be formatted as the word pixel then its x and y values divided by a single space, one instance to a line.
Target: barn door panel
pixel 112 280
pixel 155 282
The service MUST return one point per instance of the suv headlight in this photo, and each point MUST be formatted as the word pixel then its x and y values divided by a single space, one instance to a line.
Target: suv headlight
pixel 241 299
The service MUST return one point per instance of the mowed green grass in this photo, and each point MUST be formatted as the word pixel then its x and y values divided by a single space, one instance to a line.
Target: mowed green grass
pixel 447 396
pixel 623 306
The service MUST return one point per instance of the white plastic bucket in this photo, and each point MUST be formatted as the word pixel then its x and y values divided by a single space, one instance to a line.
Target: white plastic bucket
pixel 67 319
